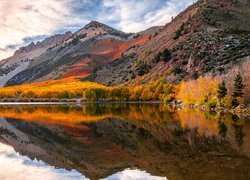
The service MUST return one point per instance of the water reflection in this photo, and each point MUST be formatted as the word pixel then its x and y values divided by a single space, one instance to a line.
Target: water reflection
pixel 129 174
pixel 99 140
pixel 15 166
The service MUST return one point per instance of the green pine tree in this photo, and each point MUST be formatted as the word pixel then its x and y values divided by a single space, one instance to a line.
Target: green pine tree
pixel 166 55
pixel 238 89
pixel 222 90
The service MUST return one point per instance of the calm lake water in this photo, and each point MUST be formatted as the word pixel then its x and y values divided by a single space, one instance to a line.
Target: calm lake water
pixel 121 141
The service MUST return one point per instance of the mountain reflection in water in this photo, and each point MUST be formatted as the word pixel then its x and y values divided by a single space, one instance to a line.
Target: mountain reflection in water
pixel 98 140
pixel 15 166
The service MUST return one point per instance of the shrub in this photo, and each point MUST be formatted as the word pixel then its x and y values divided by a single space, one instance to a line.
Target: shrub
pixel 143 69
pixel 95 94
pixel 64 95
pixel 75 41
pixel 226 102
pixel 177 70
pixel 179 32
pixel 211 104
pixel 169 98
pixel 158 57
pixel 141 72
pixel 166 55
pixel 116 93
pixel 90 94
pixel 29 94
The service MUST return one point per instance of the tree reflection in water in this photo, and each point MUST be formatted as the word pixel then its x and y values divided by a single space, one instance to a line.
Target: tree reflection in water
pixel 101 139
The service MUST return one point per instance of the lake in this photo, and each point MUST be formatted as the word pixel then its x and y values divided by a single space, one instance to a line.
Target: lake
pixel 121 141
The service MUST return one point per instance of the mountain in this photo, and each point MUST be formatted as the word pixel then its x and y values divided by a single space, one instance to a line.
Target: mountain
pixel 209 38
pixel 22 58
pixel 77 55
pixel 109 137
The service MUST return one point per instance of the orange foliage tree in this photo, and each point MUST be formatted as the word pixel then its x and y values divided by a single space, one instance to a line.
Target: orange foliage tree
pixel 198 91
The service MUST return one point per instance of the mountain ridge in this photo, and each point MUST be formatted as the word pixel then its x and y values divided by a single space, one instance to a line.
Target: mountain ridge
pixel 93 45
pixel 200 41
pixel 13 65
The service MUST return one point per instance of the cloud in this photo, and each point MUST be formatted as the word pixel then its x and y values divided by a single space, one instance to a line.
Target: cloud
pixel 20 19
pixel 15 166
pixel 25 19
pixel 133 17
pixel 18 167
pixel 134 174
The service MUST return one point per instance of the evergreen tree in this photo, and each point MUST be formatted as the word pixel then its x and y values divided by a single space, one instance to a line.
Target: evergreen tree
pixel 222 90
pixel 158 57
pixel 238 89
pixel 166 55
pixel 238 86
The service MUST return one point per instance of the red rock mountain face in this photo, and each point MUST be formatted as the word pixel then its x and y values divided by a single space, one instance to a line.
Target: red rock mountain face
pixel 104 51
pixel 209 38
pixel 78 55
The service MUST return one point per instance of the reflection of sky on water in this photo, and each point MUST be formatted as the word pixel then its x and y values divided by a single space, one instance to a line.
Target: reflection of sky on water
pixel 133 174
pixel 18 167
pixel 15 166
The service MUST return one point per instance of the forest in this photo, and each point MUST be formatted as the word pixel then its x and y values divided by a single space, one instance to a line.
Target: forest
pixel 202 91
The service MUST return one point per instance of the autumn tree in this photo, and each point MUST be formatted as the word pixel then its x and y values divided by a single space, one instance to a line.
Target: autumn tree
pixel 65 94
pixel 90 94
pixel 125 93
pixel 159 91
pixel 116 93
pixel 198 91
pixel 136 93
pixel 100 93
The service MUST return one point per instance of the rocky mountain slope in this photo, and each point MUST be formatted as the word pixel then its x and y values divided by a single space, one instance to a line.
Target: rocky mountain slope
pixel 78 54
pixel 209 38
pixel 24 56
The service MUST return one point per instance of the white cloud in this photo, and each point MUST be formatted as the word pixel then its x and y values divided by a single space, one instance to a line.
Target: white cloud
pixel 20 19
pixel 133 17
pixel 130 174
pixel 15 166
pixel 18 167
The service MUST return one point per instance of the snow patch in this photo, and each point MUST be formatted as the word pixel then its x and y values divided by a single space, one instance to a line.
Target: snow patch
pixel 5 125
pixel 22 66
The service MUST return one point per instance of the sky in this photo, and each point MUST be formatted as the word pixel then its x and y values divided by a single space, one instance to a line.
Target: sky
pixel 24 21
pixel 18 167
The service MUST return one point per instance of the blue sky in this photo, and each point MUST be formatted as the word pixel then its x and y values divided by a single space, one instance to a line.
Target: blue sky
pixel 23 21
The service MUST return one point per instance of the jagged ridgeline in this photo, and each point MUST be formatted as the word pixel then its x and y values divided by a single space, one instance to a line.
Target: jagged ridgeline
pixel 209 38
pixel 68 55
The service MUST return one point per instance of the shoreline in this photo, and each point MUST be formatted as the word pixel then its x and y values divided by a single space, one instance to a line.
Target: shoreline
pixel 241 110
pixel 78 102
